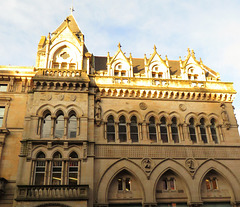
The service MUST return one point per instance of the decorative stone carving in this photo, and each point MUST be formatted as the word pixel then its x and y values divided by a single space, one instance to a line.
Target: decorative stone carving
pixel 49 97
pixel 191 164
pixel 182 107
pixel 147 165
pixel 225 117
pixel 61 97
pixel 143 106
pixel 73 97
pixel 98 112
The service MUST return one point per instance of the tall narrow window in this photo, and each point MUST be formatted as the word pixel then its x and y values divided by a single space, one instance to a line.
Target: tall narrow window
pixel 174 129
pixel 73 169
pixel 59 126
pixel 57 169
pixel 46 126
pixel 128 184
pixel 72 127
pixel 172 184
pixel 203 130
pixel 165 184
pixel 122 129
pixel 152 129
pixel 214 184
pixel 2 109
pixel 163 130
pixel 110 129
pixel 213 131
pixel 40 169
pixel 120 184
pixel 208 184
pixel 134 129
pixel 192 131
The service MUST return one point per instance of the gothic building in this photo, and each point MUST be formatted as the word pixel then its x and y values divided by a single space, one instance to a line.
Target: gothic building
pixel 84 130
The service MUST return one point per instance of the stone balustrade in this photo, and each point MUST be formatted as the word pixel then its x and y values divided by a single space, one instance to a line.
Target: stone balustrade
pixel 52 192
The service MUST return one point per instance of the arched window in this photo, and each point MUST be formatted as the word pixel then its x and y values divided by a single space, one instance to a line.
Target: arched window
pixel 174 129
pixel 172 184
pixel 203 130
pixel 192 131
pixel 214 184
pixel 152 129
pixel 134 129
pixel 164 184
pixel 208 184
pixel 57 169
pixel 46 126
pixel 163 130
pixel 122 129
pixel 213 131
pixel 40 169
pixel 72 126
pixel 110 129
pixel 73 169
pixel 59 126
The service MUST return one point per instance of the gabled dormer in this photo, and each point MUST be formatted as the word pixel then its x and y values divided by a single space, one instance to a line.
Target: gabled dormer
pixel 192 69
pixel 119 64
pixel 156 67
pixel 64 48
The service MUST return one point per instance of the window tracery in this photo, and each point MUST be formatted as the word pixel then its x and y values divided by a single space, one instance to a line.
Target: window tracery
pixel 163 130
pixel 134 129
pixel 192 130
pixel 110 129
pixel 152 129
pixel 203 131
pixel 174 129
pixel 122 129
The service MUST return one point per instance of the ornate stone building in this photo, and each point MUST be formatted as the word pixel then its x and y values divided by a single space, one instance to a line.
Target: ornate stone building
pixel 84 130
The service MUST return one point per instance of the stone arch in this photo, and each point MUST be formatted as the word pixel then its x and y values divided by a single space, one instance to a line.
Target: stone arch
pixel 73 149
pixel 164 114
pixel 59 108
pixel 58 149
pixel 41 110
pixel 218 120
pixel 135 113
pixel 223 170
pixel 150 114
pixel 202 115
pixel 108 113
pixel 175 167
pixel 189 116
pixel 39 148
pixel 112 171
pixel 123 113
pixel 78 111
pixel 176 114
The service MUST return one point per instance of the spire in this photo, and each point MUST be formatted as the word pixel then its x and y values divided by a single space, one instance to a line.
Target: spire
pixel 72 9
pixel 155 48
pixel 119 45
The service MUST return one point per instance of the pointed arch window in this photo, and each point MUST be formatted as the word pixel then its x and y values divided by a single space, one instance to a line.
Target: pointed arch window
pixel 152 129
pixel 59 126
pixel 72 126
pixel 110 129
pixel 203 130
pixel 122 129
pixel 57 169
pixel 172 184
pixel 163 130
pixel 40 169
pixel 134 129
pixel 213 131
pixel 46 126
pixel 192 130
pixel 165 184
pixel 208 184
pixel 73 168
pixel 174 129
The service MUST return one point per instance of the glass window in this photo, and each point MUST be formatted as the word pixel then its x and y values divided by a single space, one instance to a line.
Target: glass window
pixel 134 129
pixel 213 131
pixel 192 131
pixel 203 130
pixel 40 169
pixel 122 129
pixel 2 109
pixel 214 184
pixel 172 184
pixel 3 87
pixel 59 126
pixel 174 129
pixel 165 184
pixel 163 130
pixel 72 127
pixel 152 129
pixel 120 184
pixel 110 129
pixel 73 172
pixel 208 184
pixel 46 126
pixel 128 184
pixel 57 169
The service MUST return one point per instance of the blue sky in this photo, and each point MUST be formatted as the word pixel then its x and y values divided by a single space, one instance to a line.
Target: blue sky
pixel 210 27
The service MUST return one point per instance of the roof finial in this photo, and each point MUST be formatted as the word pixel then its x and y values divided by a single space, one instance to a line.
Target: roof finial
pixel 119 45
pixel 155 48
pixel 72 9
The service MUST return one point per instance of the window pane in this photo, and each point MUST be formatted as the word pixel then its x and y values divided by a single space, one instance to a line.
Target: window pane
pixel 208 184
pixel 39 172
pixel 73 173
pixel 192 131
pixel 213 131
pixel 172 184
pixel 110 129
pixel 128 184
pixel 163 130
pixel 214 183
pixel 59 127
pixel 152 129
pixel 120 184
pixel 72 127
pixel 174 129
pixel 56 172
pixel 122 129
pixel 46 127
pixel 164 185
pixel 203 130
pixel 2 109
pixel 3 87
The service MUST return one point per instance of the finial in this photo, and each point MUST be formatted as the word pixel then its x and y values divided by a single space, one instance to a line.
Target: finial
pixel 166 57
pixel 71 8
pixel 188 50
pixel 180 59
pixel 155 48
pixel 49 36
pixel 130 55
pixel 119 45
pixel 108 57
pixel 193 53
pixel 201 61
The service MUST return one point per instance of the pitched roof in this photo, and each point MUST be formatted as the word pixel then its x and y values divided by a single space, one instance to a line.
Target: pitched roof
pixel 70 20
